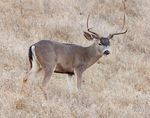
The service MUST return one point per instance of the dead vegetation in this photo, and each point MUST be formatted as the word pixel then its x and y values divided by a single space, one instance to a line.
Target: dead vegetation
pixel 119 86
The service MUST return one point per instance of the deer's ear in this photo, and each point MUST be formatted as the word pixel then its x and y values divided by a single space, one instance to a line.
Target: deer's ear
pixel 88 36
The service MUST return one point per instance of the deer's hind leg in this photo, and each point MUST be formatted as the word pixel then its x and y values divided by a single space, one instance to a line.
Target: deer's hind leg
pixel 31 73
pixel 47 76
pixel 48 71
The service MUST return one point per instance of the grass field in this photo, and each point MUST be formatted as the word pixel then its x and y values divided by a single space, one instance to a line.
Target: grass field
pixel 117 86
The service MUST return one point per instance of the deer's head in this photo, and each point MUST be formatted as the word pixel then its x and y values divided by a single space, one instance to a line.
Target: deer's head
pixel 103 43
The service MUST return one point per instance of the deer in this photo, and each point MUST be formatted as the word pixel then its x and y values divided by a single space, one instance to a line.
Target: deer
pixel 71 59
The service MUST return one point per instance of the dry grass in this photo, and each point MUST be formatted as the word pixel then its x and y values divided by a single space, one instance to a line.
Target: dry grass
pixel 117 87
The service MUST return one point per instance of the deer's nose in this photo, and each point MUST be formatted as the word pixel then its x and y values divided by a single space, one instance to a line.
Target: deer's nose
pixel 106 52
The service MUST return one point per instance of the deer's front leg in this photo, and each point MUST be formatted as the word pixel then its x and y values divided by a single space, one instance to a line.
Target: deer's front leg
pixel 78 73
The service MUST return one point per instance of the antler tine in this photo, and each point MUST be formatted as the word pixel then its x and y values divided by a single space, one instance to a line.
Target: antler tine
pixel 124 19
pixel 111 35
pixel 96 35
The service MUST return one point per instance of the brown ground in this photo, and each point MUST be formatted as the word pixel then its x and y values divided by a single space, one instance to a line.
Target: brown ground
pixel 117 87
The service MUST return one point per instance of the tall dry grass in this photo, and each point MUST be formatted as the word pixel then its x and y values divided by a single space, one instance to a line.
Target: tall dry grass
pixel 116 87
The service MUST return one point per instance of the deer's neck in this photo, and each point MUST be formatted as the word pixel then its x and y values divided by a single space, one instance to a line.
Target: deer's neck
pixel 92 54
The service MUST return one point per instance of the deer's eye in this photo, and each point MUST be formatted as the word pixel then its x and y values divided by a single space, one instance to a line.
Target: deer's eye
pixel 99 44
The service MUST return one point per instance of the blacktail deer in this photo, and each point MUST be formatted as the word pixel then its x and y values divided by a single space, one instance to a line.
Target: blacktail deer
pixel 71 59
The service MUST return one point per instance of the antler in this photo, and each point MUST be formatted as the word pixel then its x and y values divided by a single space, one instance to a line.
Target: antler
pixel 95 35
pixel 111 35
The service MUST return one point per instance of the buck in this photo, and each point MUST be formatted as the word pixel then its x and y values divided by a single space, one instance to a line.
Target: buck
pixel 71 59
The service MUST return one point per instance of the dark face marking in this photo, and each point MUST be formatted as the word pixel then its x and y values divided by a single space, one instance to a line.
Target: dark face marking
pixel 105 41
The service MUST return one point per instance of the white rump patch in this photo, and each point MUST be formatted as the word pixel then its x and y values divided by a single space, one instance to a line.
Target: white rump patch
pixel 35 65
